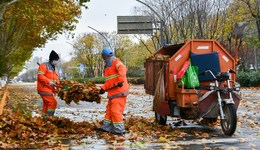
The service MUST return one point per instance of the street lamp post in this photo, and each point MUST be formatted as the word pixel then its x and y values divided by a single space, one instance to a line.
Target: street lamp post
pixel 101 35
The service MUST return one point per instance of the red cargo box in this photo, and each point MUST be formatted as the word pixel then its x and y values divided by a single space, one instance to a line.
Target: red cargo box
pixel 177 55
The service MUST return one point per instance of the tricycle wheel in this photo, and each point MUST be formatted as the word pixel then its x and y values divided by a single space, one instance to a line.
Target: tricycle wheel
pixel 229 123
pixel 161 119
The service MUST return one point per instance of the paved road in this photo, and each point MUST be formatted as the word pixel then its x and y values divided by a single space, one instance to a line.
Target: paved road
pixel 247 135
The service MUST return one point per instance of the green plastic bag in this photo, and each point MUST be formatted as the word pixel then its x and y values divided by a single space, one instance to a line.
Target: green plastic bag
pixel 183 81
pixel 192 79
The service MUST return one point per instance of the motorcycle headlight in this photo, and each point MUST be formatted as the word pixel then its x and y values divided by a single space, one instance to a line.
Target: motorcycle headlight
pixel 237 86
pixel 212 86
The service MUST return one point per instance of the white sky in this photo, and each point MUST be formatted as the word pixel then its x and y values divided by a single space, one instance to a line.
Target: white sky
pixel 100 15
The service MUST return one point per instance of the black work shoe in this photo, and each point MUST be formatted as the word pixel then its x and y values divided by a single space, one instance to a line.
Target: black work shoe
pixel 100 129
pixel 118 133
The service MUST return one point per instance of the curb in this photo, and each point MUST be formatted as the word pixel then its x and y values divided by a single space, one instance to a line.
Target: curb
pixel 3 100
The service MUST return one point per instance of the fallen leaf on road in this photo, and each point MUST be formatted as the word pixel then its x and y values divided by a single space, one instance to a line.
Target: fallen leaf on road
pixel 206 148
pixel 205 135
pixel 242 140
pixel 163 140
pixel 232 148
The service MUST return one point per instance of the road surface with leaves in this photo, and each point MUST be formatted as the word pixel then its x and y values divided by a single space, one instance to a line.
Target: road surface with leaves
pixel 73 126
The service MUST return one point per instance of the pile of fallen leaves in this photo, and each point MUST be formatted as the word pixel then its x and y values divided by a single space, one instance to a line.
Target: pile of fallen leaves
pixel 74 91
pixel 159 57
pixel 146 129
pixel 22 101
pixel 16 128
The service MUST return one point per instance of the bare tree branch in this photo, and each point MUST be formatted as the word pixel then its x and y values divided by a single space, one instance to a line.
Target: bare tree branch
pixel 4 8
pixel 144 44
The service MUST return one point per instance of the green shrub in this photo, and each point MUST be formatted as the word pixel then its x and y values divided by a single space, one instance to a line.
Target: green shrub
pixel 81 80
pixel 101 80
pixel 136 80
pixel 97 80
pixel 135 72
pixel 249 79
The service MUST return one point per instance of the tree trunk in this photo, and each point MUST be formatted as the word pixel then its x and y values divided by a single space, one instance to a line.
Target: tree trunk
pixel 258 25
pixel 255 53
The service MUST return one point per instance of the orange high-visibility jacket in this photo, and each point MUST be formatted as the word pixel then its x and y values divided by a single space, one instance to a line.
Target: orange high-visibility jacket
pixel 114 74
pixel 46 73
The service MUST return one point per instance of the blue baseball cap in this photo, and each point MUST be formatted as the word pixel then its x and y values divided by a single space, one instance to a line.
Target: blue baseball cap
pixel 107 51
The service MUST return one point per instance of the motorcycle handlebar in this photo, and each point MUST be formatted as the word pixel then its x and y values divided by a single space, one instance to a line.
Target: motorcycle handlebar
pixel 212 74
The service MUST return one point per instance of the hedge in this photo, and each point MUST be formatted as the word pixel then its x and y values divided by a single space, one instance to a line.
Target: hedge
pixel 135 72
pixel 98 80
pixel 249 79
pixel 101 80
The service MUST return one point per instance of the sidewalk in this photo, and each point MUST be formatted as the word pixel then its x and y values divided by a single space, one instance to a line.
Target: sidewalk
pixel 2 84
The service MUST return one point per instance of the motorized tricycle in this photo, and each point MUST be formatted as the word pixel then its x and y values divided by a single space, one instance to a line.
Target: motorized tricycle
pixel 216 97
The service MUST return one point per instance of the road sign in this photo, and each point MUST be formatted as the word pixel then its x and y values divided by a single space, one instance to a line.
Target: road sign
pixel 134 25
pixel 60 71
pixel 81 68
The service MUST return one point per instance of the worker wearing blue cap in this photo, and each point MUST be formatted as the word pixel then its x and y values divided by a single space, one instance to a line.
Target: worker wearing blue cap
pixel 117 87
pixel 107 52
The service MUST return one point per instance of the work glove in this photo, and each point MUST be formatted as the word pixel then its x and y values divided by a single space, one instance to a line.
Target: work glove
pixel 57 84
pixel 102 91
pixel 52 83
pixel 120 84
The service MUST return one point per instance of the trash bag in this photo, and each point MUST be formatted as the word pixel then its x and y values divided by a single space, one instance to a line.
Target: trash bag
pixel 190 79
pixel 183 80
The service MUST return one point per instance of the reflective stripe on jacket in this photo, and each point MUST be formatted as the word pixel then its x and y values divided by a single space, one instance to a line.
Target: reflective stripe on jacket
pixel 114 74
pixel 46 73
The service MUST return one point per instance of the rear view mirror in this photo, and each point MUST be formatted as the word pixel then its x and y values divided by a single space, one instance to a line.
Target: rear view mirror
pixel 231 71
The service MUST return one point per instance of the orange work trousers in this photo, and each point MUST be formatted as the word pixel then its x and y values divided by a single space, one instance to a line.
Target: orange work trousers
pixel 115 109
pixel 49 105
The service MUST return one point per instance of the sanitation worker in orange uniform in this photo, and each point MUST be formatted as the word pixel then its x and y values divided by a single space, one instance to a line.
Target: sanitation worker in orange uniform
pixel 46 80
pixel 117 87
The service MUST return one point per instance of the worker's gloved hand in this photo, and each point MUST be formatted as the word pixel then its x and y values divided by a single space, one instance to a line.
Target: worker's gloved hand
pixel 102 91
pixel 57 84
pixel 120 84
pixel 52 83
